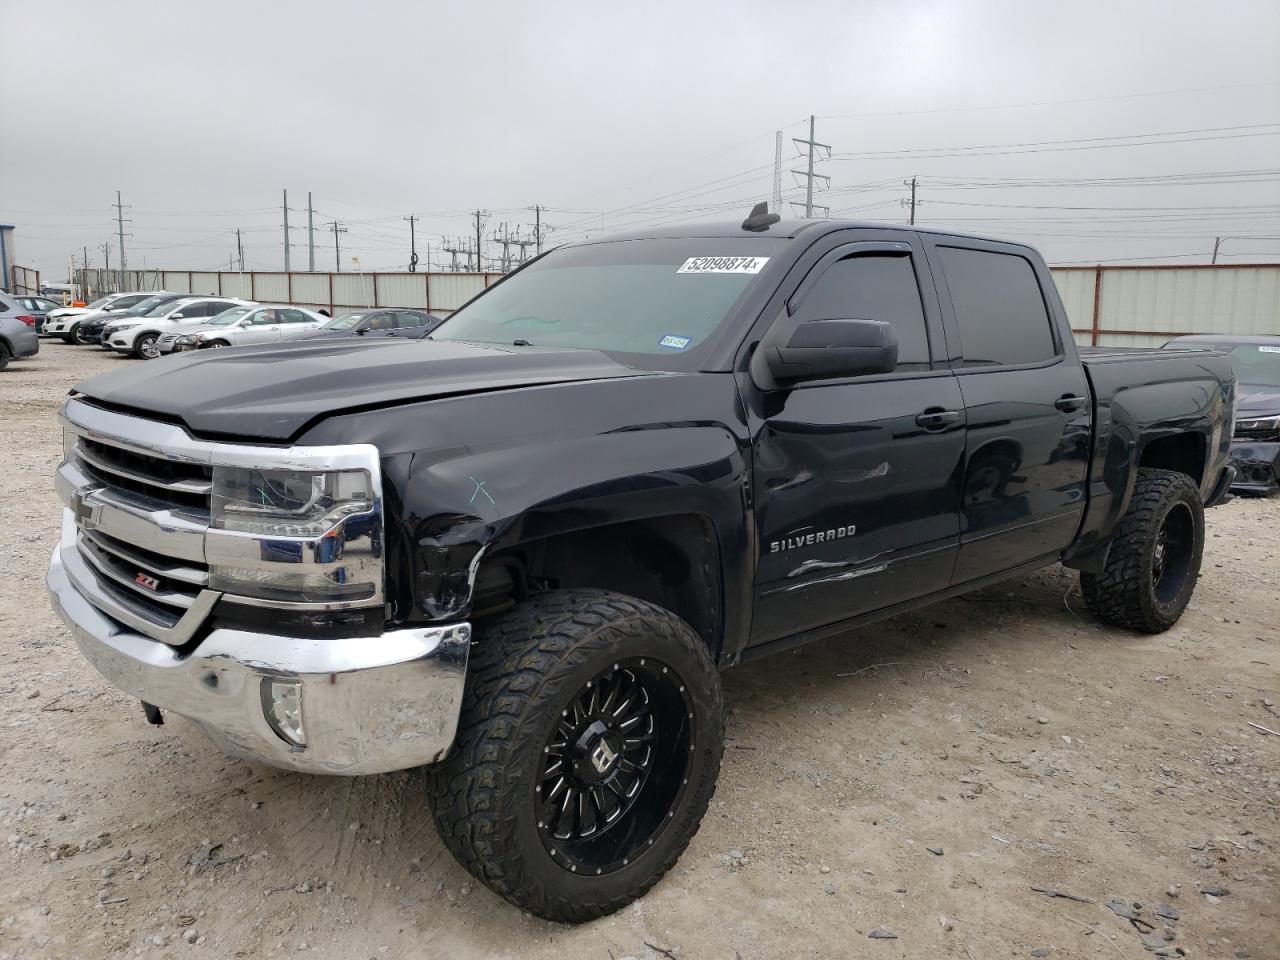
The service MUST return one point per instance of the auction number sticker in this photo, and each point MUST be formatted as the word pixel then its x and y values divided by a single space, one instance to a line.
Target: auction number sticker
pixel 1269 349
pixel 723 265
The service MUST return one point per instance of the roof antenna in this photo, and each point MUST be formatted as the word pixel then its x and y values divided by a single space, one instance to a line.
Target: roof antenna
pixel 760 219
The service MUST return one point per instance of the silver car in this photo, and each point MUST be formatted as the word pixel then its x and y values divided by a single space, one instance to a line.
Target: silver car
pixel 243 325
pixel 17 331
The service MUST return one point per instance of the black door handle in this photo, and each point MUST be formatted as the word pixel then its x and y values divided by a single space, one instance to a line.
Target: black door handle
pixel 938 419
pixel 1068 403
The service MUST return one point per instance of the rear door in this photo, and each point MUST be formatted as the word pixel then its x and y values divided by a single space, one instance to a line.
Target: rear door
pixel 1027 402
pixel 856 480
pixel 295 324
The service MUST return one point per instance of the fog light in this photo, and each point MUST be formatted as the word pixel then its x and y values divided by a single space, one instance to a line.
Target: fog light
pixel 282 706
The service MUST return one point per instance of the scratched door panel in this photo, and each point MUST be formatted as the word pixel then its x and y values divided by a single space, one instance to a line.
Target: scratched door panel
pixel 857 506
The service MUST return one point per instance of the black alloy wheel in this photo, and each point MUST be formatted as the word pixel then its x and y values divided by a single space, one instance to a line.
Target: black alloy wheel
pixel 614 766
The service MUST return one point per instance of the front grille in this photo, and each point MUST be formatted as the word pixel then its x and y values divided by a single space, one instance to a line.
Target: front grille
pixel 158 589
pixel 186 486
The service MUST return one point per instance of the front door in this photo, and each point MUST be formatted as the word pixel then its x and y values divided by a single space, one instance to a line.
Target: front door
pixel 857 481
pixel 1027 444
pixel 261 326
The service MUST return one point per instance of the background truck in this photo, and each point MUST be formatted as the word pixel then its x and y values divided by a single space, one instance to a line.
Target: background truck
pixel 521 549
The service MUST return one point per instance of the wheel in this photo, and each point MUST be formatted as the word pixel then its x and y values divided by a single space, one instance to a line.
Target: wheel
pixel 73 335
pixel 1154 560
pixel 145 346
pixel 5 355
pixel 587 752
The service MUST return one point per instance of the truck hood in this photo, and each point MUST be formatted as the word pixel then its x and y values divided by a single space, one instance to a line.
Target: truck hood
pixel 273 392
pixel 1257 400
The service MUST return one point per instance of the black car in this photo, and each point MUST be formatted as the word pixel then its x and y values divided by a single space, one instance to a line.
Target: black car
pixel 381 322
pixel 90 331
pixel 1255 450
pixel 523 548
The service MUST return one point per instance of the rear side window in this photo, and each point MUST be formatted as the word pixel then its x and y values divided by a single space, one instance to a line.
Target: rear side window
pixel 874 287
pixel 408 319
pixel 999 308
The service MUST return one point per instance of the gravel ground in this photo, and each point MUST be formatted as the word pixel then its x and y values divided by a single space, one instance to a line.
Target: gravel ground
pixel 920 777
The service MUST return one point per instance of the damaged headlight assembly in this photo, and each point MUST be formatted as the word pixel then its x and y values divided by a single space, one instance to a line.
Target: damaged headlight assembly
pixel 296 537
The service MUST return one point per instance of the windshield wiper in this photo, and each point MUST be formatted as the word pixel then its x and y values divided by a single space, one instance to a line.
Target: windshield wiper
pixel 522 343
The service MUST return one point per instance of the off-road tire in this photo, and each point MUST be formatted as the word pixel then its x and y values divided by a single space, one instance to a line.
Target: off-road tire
pixel 524 668
pixel 5 355
pixel 1125 593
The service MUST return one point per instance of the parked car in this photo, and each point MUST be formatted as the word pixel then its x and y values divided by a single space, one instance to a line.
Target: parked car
pixel 397 322
pixel 65 322
pixel 90 329
pixel 522 548
pixel 37 307
pixel 17 331
pixel 245 324
pixel 138 336
pixel 61 290
pixel 1255 447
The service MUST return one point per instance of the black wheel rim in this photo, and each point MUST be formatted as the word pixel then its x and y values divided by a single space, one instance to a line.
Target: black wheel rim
pixel 615 766
pixel 1172 552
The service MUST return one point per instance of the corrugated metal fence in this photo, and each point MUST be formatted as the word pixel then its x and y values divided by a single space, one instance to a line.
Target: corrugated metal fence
pixel 440 293
pixel 1108 305
pixel 1139 306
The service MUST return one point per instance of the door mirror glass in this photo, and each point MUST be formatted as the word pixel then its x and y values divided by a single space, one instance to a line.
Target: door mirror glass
pixel 830 349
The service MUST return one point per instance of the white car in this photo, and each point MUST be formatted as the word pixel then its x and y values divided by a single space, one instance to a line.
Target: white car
pixel 63 321
pixel 249 324
pixel 137 336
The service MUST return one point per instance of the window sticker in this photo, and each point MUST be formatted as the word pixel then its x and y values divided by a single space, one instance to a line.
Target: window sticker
pixel 723 265
pixel 1269 349
pixel 674 342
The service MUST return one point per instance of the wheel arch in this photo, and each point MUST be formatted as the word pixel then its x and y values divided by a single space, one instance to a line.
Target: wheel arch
pixel 673 561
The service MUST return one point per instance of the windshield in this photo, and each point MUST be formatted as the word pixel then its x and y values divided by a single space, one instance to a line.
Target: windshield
pixel 100 303
pixel 228 317
pixel 343 321
pixel 1255 364
pixel 654 297
pixel 153 307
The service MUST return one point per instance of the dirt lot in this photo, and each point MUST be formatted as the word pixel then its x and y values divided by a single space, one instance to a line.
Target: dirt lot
pixel 919 777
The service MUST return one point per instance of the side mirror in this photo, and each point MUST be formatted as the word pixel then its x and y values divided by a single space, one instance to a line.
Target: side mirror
pixel 826 350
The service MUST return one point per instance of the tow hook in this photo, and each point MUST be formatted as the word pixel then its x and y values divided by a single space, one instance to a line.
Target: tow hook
pixel 152 713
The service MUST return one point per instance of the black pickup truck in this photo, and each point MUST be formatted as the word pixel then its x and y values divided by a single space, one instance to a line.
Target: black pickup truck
pixel 521 550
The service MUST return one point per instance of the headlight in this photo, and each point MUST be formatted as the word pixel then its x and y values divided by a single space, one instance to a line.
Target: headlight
pixel 1257 427
pixel 117 325
pixel 189 338
pixel 297 536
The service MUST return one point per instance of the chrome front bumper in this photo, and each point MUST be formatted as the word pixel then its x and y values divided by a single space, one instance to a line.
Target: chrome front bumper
pixel 369 704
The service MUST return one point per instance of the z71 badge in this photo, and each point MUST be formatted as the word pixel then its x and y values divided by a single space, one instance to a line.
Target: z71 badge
pixel 143 580
pixel 800 539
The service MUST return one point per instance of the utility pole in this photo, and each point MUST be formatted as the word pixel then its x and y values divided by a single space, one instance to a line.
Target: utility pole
pixel 453 248
pixel 311 237
pixel 537 228
pixel 1217 245
pixel 84 276
pixel 911 204
pixel 120 236
pixel 777 172
pixel 813 147
pixel 337 253
pixel 286 231
pixel 413 246
pixel 479 215
pixel 240 249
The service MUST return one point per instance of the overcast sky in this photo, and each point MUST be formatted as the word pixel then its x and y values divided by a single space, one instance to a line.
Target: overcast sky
pixel 612 115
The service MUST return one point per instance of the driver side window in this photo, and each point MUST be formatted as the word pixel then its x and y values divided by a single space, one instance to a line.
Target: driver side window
pixel 874 287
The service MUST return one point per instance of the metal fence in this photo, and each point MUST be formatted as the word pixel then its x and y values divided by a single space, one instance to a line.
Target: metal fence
pixel 440 293
pixel 1107 305
pixel 1138 306
pixel 25 281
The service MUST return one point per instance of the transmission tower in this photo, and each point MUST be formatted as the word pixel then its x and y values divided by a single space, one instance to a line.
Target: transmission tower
pixel 812 150
pixel 777 173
